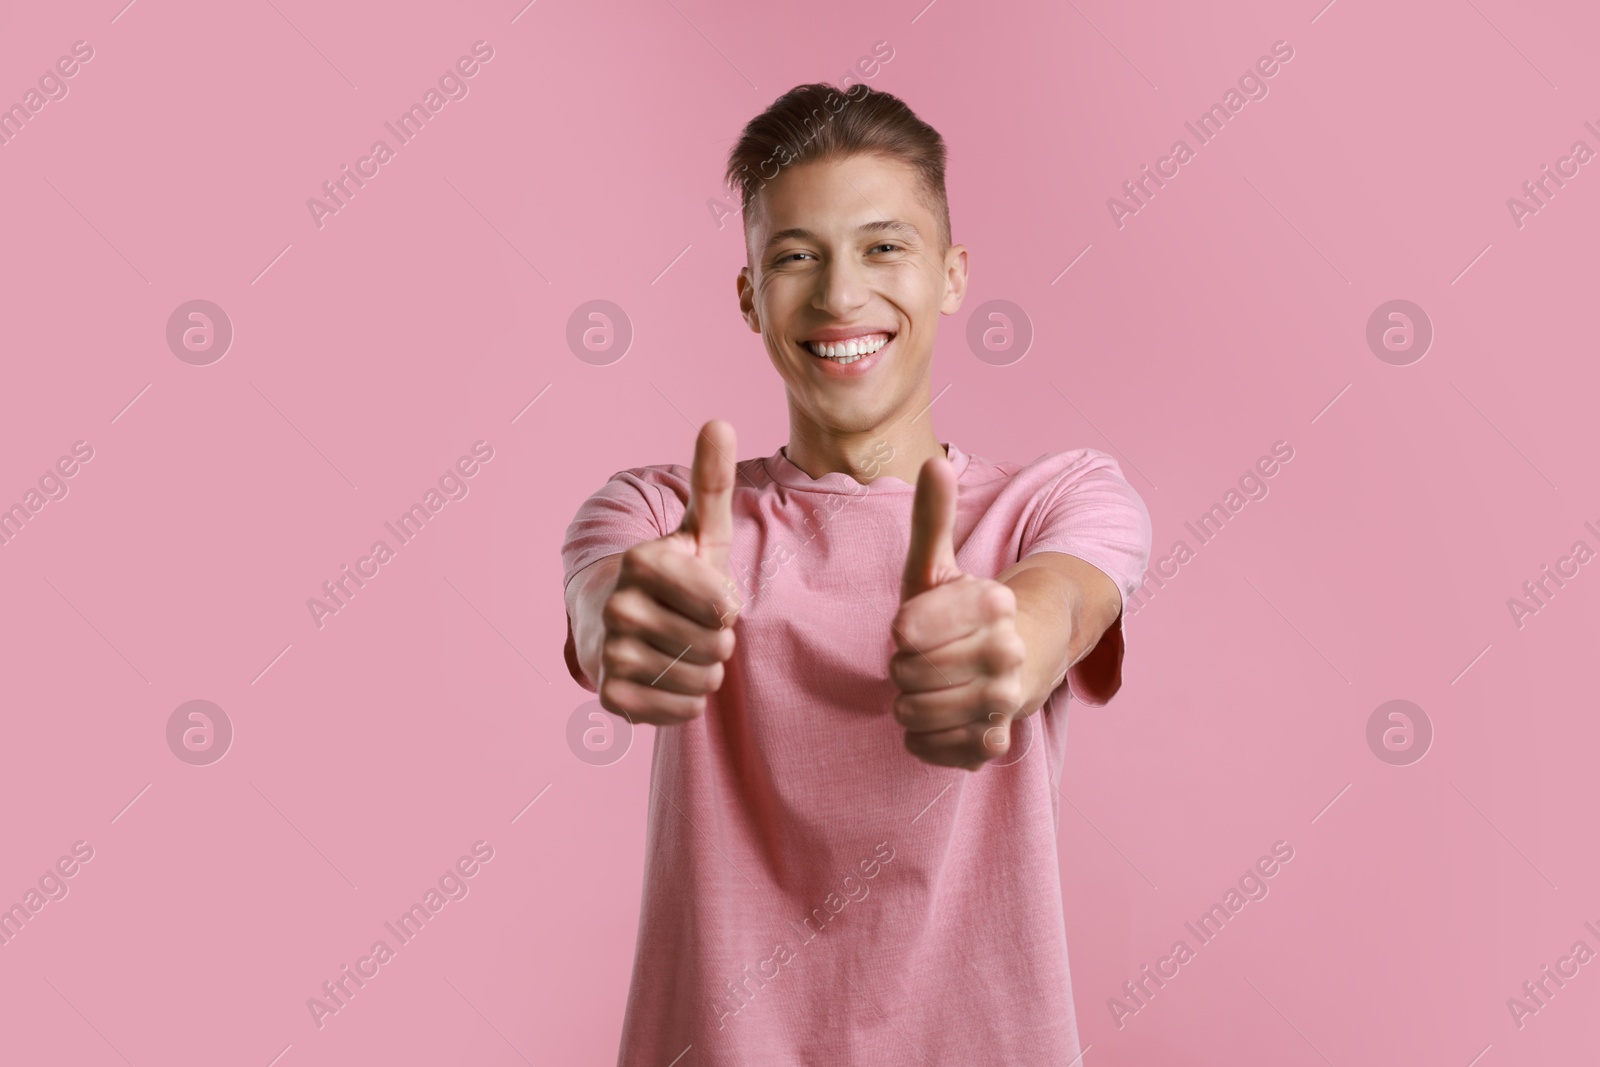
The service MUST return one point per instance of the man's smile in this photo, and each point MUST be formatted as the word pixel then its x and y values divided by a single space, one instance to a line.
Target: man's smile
pixel 849 346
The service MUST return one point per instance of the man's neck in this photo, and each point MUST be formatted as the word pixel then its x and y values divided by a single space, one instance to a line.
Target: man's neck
pixel 897 451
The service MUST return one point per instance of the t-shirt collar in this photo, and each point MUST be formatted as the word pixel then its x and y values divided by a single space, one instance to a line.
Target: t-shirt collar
pixel 783 472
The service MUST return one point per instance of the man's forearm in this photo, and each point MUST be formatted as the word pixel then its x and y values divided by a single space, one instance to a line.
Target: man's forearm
pixel 1064 606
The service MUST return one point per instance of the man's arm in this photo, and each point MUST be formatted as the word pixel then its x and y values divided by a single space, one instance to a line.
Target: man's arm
pixel 652 626
pixel 975 653
pixel 1064 606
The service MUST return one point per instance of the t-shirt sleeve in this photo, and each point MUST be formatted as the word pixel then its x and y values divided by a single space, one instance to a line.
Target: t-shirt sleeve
pixel 1090 511
pixel 627 509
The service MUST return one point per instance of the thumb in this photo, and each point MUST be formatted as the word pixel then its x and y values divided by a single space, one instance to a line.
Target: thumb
pixel 931 559
pixel 709 516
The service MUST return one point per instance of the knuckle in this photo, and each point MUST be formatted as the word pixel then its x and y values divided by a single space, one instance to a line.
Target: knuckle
pixel 1003 696
pixel 610 697
pixel 639 563
pixel 631 560
pixel 898 666
pixel 689 679
pixel 1007 651
pixel 621 611
pixel 999 600
pixel 710 678
pixel 622 655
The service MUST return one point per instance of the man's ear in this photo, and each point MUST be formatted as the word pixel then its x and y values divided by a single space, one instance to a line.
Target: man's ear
pixel 955 279
pixel 747 299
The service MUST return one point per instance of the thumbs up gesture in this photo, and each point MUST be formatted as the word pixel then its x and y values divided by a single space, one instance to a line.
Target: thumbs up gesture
pixel 959 665
pixel 669 620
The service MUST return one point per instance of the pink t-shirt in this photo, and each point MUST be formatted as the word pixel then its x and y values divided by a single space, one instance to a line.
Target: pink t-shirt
pixel 813 893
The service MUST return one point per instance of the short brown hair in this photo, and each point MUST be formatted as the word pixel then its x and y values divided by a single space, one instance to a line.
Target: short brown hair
pixel 817 122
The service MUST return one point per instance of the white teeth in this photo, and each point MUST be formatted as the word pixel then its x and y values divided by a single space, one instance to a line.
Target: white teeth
pixel 846 352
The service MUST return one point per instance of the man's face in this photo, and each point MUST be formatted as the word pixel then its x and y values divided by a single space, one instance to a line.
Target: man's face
pixel 845 252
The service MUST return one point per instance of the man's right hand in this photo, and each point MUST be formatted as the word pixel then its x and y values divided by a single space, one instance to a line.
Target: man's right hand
pixel 668 623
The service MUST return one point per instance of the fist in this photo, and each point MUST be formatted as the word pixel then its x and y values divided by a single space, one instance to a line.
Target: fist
pixel 959 664
pixel 668 623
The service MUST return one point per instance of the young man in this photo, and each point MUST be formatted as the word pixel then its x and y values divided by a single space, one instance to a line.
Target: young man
pixel 857 652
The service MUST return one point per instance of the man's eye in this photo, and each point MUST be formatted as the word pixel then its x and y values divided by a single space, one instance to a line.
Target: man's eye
pixel 791 255
pixel 886 244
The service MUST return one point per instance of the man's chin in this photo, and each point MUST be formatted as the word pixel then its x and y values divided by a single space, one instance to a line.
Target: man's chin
pixel 848 415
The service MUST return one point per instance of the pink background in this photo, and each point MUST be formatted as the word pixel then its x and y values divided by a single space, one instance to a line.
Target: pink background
pixel 370 353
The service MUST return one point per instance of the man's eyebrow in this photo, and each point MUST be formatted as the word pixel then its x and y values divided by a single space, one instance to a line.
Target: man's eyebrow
pixel 898 226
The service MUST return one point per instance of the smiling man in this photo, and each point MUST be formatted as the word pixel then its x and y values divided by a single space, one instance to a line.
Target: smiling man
pixel 876 716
